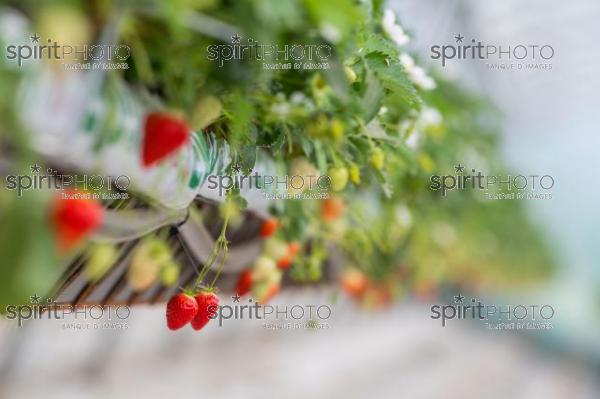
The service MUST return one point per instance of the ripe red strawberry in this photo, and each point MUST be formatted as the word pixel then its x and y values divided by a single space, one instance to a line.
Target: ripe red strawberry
pixel 164 134
pixel 269 227
pixel 270 293
pixel 293 248
pixel 207 306
pixel 244 283
pixel 74 219
pixel 284 262
pixel 332 208
pixel 181 309
pixel 354 282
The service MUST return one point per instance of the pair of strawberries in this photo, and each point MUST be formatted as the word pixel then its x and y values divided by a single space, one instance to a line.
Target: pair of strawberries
pixel 184 308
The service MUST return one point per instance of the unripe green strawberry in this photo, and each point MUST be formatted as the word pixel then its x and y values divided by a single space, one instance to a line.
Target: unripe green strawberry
pixel 64 25
pixel 269 291
pixel 143 272
pixel 207 110
pixel 336 129
pixel 355 174
pixel 302 167
pixel 350 74
pixel 319 84
pixel 100 259
pixel 158 249
pixel 275 248
pixel 339 177
pixel 377 158
pixel 426 163
pixel 169 274
pixel 147 260
pixel 265 289
pixel 318 126
pixel 263 268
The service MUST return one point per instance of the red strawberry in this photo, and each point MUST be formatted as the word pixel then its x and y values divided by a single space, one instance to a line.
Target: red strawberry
pixel 244 283
pixel 354 282
pixel 332 208
pixel 164 134
pixel 74 219
pixel 270 293
pixel 285 262
pixel 208 303
pixel 181 309
pixel 293 248
pixel 269 227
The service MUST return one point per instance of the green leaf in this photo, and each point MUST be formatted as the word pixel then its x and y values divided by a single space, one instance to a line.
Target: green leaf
pixel 306 145
pixel 320 156
pixel 393 78
pixel 342 15
pixel 370 101
pixel 29 263
pixel 378 44
pixel 277 145
pixel 247 158
pixel 241 112
pixel 385 184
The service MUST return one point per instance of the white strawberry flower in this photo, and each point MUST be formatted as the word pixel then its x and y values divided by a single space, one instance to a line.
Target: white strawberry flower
pixel 330 33
pixel 403 215
pixel 280 110
pixel 417 74
pixel 393 29
pixel 430 117
pixel 414 139
pixel 414 129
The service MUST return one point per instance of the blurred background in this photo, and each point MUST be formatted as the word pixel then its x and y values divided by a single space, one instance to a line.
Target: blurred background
pixel 549 125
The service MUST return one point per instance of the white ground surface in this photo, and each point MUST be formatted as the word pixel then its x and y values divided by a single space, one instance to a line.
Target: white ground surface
pixel 398 353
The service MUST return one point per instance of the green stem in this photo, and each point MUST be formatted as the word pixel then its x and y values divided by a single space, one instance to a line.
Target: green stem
pixel 220 248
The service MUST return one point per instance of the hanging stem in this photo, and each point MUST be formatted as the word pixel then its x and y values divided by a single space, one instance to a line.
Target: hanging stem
pixel 223 257
pixel 220 249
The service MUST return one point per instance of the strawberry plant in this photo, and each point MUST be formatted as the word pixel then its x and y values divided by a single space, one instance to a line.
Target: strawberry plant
pixel 372 122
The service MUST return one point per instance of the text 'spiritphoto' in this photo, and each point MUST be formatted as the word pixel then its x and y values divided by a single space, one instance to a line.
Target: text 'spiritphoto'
pixel 195 189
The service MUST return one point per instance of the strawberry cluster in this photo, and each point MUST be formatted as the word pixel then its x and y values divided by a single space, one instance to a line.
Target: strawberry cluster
pixel 197 309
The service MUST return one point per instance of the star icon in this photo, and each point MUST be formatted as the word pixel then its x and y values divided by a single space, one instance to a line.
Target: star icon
pixel 459 38
pixel 35 168
pixel 236 168
pixel 35 38
pixel 459 168
pixel 459 298
pixel 236 298
pixel 35 298
pixel 235 38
